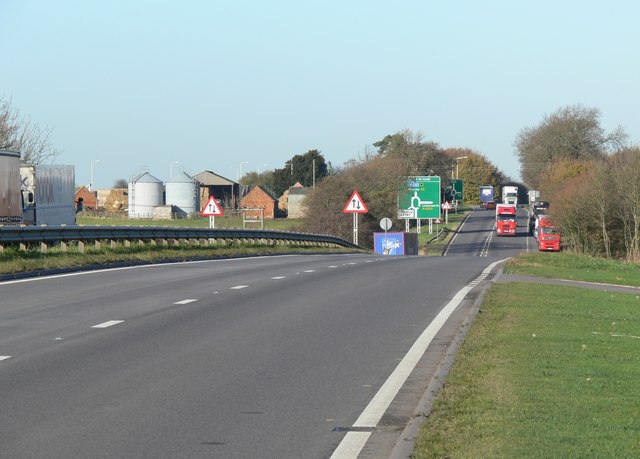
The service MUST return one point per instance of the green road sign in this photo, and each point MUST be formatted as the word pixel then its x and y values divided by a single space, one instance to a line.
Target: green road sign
pixel 458 186
pixel 419 197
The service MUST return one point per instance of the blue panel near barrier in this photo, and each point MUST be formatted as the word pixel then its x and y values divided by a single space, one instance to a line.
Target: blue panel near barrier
pixel 389 243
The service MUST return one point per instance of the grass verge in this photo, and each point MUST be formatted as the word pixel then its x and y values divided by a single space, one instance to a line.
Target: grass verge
pixel 545 371
pixel 14 261
pixel 565 265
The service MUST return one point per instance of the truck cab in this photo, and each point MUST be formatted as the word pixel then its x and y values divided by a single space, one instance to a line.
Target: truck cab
pixel 506 220
pixel 548 236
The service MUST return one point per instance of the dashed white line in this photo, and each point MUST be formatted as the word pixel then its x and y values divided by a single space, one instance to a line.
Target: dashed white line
pixel 309 270
pixel 109 323
pixel 278 277
pixel 187 301
pixel 238 287
pixel 5 357
pixel 332 266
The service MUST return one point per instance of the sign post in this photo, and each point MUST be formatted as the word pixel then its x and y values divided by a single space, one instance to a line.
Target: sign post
pixel 446 207
pixel 355 205
pixel 419 198
pixel 212 210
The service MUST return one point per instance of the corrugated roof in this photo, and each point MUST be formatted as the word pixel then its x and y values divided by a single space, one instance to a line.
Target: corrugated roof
pixel 209 178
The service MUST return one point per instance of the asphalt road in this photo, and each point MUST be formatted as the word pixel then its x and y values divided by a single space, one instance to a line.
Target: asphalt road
pixel 270 357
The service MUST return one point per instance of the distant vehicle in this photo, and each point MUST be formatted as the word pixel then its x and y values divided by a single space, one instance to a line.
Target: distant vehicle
pixel 490 205
pixel 540 205
pixel 510 195
pixel 486 195
pixel 548 235
pixel 506 221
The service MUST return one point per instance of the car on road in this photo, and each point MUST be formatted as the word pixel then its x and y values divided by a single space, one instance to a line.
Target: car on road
pixel 490 205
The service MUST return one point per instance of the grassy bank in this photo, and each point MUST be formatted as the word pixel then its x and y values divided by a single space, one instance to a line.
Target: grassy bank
pixel 545 371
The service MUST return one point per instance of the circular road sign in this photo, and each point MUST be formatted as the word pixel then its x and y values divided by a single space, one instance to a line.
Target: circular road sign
pixel 385 223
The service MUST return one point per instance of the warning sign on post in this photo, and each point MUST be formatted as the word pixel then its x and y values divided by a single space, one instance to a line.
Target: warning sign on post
pixel 355 205
pixel 212 209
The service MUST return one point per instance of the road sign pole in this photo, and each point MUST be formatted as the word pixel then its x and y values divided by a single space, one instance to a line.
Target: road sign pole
pixel 418 229
pixel 212 222
pixel 355 229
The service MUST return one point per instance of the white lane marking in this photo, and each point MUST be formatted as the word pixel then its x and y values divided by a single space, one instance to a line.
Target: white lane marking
pixel 156 265
pixel 381 401
pixel 351 445
pixel 332 266
pixel 278 277
pixel 5 357
pixel 309 270
pixel 187 301
pixel 109 323
pixel 352 263
pixel 238 287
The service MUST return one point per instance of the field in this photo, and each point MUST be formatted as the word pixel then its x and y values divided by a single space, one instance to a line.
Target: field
pixel 545 371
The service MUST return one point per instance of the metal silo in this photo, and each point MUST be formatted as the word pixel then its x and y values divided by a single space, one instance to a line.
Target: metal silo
pixel 145 194
pixel 183 192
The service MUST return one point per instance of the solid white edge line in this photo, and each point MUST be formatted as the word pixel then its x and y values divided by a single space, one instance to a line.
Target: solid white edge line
pixel 109 323
pixel 351 445
pixel 187 301
pixel 383 398
pixel 5 357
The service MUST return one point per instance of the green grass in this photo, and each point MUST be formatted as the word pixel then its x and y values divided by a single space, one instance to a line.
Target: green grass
pixel 544 372
pixel 565 265
pixel 13 261
pixel 435 247
pixel 227 221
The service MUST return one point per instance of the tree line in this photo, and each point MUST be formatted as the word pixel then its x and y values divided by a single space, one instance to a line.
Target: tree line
pixel 590 177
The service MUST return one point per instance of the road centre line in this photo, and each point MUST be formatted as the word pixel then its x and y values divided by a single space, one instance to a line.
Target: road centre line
pixel 187 301
pixel 309 270
pixel 278 277
pixel 107 324
pixel 5 357
pixel 238 287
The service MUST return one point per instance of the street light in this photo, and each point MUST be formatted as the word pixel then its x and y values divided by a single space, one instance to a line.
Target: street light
pixel 240 170
pixel 171 168
pixel 91 180
pixel 457 165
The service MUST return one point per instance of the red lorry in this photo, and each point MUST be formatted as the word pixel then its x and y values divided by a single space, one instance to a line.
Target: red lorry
pixel 506 222
pixel 548 235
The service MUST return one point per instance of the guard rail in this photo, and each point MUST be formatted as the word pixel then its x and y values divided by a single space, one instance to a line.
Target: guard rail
pixel 46 236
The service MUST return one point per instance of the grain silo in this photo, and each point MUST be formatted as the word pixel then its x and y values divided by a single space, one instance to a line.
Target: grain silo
pixel 145 194
pixel 183 192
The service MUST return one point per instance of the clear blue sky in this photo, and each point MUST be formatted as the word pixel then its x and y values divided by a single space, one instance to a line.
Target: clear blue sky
pixel 218 84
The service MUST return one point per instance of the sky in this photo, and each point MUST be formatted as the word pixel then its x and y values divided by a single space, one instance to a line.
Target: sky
pixel 236 86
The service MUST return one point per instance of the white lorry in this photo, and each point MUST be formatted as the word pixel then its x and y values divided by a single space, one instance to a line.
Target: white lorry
pixel 48 193
pixel 510 195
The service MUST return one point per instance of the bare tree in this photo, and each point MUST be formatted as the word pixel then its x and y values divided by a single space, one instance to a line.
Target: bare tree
pixel 19 133
pixel 569 133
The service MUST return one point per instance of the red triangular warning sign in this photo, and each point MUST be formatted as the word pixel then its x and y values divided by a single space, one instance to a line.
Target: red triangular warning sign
pixel 355 205
pixel 212 209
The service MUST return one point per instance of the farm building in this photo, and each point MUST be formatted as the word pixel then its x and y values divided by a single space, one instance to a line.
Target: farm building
pixel 225 190
pixel 261 198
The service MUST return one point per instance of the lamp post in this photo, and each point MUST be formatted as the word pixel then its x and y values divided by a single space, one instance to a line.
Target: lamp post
pixel 91 179
pixel 171 168
pixel 240 170
pixel 458 165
